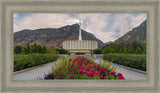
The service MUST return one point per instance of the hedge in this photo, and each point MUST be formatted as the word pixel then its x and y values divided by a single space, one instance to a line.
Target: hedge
pixel 129 60
pixel 31 60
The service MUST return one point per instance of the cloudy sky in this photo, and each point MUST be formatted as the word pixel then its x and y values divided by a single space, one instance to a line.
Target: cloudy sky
pixel 105 26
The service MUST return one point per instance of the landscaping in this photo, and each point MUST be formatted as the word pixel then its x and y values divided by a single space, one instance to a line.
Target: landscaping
pixel 129 60
pixel 81 67
pixel 30 60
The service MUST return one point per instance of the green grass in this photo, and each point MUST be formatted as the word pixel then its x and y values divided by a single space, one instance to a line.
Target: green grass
pixel 31 60
pixel 129 60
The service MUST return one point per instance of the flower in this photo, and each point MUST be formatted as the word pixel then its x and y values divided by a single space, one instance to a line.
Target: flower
pixel 78 66
pixel 67 68
pixel 72 69
pixel 81 67
pixel 104 71
pixel 121 78
pixel 88 69
pixel 70 59
pixel 84 72
pixel 120 75
pixel 113 73
pixel 96 73
pixel 80 72
pixel 100 69
pixel 133 59
pixel 70 76
pixel 73 72
pixel 100 76
pixel 58 77
pixel 91 74
pixel 60 68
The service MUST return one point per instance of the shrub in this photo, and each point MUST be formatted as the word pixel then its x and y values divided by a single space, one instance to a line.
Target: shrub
pixel 82 68
pixel 26 61
pixel 130 60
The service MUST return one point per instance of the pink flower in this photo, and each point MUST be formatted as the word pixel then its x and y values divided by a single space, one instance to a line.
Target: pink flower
pixel 72 69
pixel 88 69
pixel 98 66
pixel 80 72
pixel 67 68
pixel 92 71
pixel 100 76
pixel 60 68
pixel 81 67
pixel 73 72
pixel 91 74
pixel 133 59
pixel 96 73
pixel 78 66
pixel 120 75
pixel 121 78
pixel 113 73
pixel 58 77
pixel 84 72
pixel 70 76
pixel 100 69
pixel 104 71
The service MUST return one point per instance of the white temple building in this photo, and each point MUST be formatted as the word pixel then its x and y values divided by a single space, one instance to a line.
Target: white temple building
pixel 80 47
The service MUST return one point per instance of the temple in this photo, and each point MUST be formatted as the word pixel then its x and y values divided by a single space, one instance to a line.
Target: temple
pixel 80 47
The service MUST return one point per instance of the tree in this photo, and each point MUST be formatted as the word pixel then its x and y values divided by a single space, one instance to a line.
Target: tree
pixel 17 49
pixel 138 50
pixel 121 51
pixel 130 49
pixel 28 49
pixel 97 51
pixel 22 49
pixel 52 50
pixel 125 50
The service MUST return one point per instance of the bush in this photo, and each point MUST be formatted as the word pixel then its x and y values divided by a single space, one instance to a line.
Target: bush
pixel 82 67
pixel 26 61
pixel 130 60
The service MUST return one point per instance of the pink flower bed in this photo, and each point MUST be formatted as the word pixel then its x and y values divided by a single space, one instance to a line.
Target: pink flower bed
pixel 83 68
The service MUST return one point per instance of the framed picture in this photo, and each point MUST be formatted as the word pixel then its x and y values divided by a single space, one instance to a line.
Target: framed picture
pixel 79 46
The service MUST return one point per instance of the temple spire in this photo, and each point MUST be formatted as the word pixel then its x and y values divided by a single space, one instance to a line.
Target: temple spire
pixel 80 36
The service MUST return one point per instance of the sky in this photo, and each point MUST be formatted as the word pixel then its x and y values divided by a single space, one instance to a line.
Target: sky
pixel 105 26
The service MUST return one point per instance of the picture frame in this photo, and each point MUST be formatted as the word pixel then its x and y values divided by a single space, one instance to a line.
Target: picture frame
pixel 150 7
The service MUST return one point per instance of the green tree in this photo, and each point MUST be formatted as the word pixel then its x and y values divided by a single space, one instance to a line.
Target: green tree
pixel 130 49
pixel 35 48
pixel 18 49
pixel 28 49
pixel 138 50
pixel 121 51
pixel 125 50
pixel 22 49
pixel 97 51
pixel 52 50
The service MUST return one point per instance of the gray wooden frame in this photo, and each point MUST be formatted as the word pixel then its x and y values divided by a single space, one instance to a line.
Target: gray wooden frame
pixel 150 7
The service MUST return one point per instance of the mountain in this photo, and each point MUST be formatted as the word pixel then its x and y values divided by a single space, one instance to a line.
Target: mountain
pixel 137 34
pixel 109 42
pixel 52 36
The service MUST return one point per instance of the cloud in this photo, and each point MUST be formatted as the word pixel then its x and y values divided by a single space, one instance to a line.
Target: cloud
pixel 105 26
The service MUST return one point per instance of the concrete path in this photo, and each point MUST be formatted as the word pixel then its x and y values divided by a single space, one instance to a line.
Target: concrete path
pixel 39 72
pixel 33 73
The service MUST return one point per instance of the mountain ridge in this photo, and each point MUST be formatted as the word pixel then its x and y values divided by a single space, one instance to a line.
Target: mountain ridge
pixel 137 34
pixel 52 36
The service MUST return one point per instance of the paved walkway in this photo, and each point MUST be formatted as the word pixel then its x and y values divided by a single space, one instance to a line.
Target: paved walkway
pixel 33 74
pixel 39 72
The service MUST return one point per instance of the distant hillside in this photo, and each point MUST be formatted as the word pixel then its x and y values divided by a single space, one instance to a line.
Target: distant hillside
pixel 137 34
pixel 52 37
